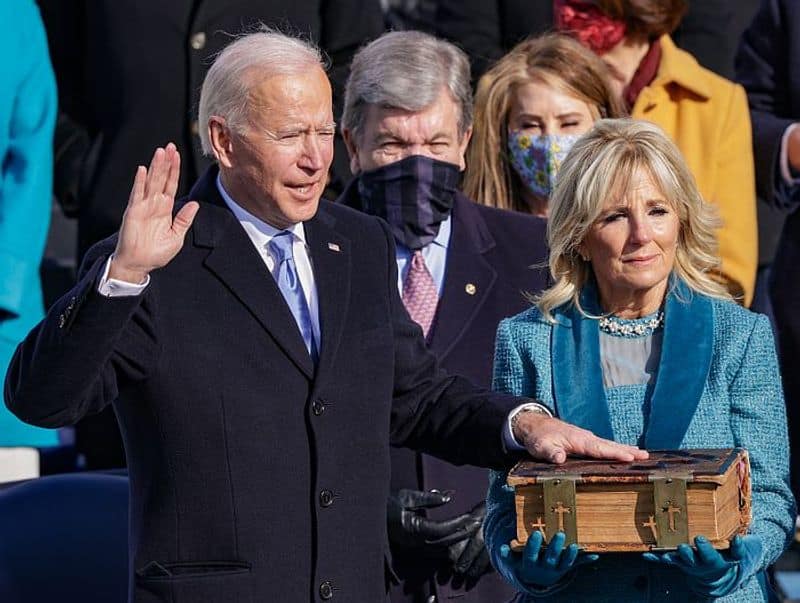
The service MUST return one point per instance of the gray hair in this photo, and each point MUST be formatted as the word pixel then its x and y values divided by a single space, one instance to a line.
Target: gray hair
pixel 406 70
pixel 248 60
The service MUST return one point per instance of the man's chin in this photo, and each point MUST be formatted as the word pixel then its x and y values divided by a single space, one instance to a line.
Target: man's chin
pixel 302 212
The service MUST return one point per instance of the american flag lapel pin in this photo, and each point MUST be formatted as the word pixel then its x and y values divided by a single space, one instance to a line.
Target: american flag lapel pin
pixel 334 247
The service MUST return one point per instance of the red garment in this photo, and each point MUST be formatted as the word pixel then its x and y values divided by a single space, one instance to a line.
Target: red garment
pixel 588 24
pixel 645 74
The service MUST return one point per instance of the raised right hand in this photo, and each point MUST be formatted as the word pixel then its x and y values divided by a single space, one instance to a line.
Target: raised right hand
pixel 149 236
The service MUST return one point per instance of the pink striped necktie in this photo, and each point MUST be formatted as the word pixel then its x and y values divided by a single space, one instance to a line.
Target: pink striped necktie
pixel 420 294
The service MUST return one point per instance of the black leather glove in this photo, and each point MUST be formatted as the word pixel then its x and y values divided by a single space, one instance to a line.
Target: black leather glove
pixel 470 557
pixel 409 528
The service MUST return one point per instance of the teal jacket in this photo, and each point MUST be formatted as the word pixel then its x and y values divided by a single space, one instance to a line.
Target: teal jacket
pixel 27 118
pixel 717 386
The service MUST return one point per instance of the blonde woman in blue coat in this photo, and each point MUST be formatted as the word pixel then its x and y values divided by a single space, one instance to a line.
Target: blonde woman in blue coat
pixel 27 118
pixel 637 342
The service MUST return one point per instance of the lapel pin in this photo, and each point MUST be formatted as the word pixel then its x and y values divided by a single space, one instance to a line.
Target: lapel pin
pixel 334 247
pixel 470 289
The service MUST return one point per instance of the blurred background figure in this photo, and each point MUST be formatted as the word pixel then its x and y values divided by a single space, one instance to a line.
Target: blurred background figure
pixel 129 75
pixel 530 108
pixel 462 267
pixel 768 65
pixel 710 31
pixel 487 29
pixel 704 114
pixel 27 118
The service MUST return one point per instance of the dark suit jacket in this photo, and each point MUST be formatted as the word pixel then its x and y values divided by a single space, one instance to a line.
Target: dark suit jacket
pixel 494 251
pixel 255 477
pixel 486 30
pixel 768 66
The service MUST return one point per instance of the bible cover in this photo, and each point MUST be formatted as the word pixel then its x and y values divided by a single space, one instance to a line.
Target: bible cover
pixel 657 504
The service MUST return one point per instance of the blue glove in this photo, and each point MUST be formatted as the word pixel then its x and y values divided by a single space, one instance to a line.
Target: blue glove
pixel 537 566
pixel 712 573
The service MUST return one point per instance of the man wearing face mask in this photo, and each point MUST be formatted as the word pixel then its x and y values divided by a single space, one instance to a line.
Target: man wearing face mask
pixel 462 267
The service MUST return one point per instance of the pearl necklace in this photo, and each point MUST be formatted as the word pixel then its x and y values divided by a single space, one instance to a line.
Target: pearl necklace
pixel 639 327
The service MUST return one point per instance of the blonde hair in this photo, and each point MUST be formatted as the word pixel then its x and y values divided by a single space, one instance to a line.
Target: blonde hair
pixel 554 59
pixel 600 167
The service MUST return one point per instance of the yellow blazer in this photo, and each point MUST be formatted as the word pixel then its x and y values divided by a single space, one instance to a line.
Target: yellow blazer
pixel 708 118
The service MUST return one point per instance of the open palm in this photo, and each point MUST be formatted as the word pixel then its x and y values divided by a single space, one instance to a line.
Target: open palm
pixel 149 236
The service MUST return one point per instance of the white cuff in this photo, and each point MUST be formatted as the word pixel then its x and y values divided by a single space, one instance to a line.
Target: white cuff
pixel 111 287
pixel 509 440
pixel 783 160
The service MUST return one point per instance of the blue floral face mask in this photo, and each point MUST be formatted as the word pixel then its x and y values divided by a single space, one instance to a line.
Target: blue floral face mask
pixel 537 159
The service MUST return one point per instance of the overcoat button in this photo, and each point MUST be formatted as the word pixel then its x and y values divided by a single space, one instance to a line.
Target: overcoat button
pixel 318 407
pixel 431 599
pixel 198 40
pixel 326 498
pixel 326 591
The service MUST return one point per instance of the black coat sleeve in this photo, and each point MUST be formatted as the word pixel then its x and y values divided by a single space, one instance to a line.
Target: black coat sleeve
pixel 74 362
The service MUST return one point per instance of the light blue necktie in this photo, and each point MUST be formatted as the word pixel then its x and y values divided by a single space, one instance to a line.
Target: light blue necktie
pixel 281 249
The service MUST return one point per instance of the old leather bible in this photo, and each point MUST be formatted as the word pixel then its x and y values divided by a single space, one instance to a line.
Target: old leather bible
pixel 659 503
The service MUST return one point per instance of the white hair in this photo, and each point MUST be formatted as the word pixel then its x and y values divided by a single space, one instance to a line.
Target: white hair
pixel 244 63
pixel 406 70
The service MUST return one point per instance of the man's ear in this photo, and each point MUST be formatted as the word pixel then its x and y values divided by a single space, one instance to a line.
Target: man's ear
pixel 352 151
pixel 221 141
pixel 462 148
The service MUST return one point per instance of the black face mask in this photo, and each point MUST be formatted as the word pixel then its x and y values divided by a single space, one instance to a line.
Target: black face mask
pixel 413 195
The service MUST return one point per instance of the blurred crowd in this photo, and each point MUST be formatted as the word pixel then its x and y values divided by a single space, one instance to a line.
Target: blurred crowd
pixel 96 86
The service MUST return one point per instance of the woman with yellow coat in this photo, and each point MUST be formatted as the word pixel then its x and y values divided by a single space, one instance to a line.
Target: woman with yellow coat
pixel 704 114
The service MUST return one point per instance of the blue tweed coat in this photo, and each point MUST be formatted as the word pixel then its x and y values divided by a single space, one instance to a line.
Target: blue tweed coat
pixel 717 386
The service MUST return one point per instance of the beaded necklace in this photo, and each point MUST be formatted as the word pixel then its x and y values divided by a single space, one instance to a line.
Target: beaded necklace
pixel 637 327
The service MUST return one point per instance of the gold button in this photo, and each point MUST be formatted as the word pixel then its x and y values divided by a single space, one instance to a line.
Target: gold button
pixel 195 127
pixel 198 40
pixel 470 289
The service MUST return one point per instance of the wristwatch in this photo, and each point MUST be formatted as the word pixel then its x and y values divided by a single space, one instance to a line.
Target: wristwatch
pixel 536 407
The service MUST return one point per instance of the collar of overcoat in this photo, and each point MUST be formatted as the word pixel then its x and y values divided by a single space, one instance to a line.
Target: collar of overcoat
pixel 682 372
pixel 237 264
